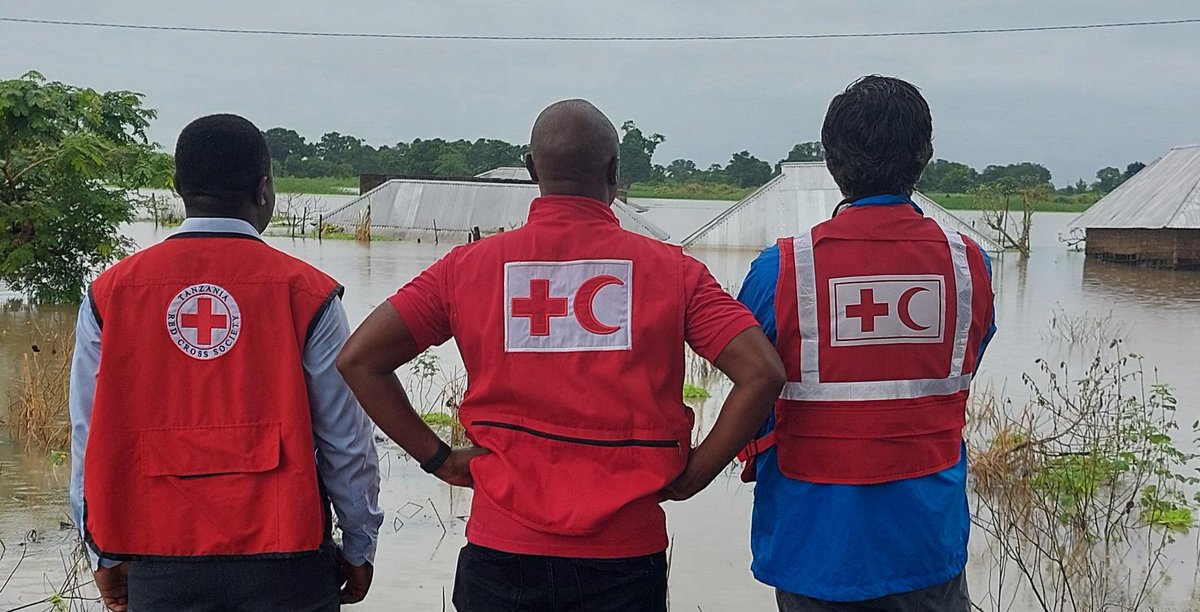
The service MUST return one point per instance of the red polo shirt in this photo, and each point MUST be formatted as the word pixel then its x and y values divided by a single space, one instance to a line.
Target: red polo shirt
pixel 438 305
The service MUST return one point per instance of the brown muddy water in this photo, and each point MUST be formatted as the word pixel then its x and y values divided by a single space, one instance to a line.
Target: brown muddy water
pixel 1156 311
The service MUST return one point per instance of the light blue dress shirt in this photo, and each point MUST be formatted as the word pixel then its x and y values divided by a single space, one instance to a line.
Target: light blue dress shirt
pixel 347 462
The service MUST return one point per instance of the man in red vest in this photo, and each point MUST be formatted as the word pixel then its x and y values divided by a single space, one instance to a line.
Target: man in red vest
pixel 881 316
pixel 572 331
pixel 203 386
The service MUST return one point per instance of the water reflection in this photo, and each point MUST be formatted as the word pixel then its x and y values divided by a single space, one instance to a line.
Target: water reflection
pixel 710 555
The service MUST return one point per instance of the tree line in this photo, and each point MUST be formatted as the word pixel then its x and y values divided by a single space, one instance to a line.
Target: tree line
pixel 943 176
pixel 341 155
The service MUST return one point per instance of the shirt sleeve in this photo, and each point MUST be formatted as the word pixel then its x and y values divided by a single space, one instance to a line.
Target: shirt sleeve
pixel 712 317
pixel 85 364
pixel 424 304
pixel 347 461
pixel 758 289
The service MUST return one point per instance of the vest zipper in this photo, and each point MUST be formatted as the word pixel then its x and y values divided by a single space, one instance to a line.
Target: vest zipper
pixel 574 440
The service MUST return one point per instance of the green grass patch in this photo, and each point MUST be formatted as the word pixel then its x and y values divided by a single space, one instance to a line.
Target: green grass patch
pixel 688 191
pixel 694 393
pixel 1059 203
pixel 438 419
pixel 325 185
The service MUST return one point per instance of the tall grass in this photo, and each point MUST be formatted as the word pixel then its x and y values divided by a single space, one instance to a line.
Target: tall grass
pixel 362 228
pixel 1054 203
pixel 328 185
pixel 688 191
pixel 39 417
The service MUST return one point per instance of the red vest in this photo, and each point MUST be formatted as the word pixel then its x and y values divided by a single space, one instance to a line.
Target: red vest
pixel 571 330
pixel 880 315
pixel 201 440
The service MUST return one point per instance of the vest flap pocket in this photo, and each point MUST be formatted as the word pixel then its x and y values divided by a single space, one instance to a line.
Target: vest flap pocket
pixel 210 450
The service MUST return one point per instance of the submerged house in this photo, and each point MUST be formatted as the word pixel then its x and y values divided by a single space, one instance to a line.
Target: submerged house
pixel 436 208
pixel 1152 219
pixel 801 196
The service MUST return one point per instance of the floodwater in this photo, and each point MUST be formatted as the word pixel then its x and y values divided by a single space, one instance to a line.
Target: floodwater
pixel 418 545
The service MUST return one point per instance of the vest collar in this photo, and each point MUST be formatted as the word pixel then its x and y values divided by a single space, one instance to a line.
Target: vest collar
pixel 570 208
pixel 878 200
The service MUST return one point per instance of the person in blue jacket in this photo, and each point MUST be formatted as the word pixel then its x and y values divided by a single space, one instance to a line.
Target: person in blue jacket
pixel 896 545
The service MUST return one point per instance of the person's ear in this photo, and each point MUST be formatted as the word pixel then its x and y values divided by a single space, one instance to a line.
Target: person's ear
pixel 529 166
pixel 614 171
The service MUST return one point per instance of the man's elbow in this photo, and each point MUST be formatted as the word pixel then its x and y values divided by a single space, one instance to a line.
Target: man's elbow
pixel 773 376
pixel 350 362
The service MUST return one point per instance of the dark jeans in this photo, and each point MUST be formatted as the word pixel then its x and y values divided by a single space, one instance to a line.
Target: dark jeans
pixel 492 581
pixel 301 584
pixel 951 596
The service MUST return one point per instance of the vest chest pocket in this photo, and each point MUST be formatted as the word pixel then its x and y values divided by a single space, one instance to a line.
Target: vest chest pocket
pixel 209 450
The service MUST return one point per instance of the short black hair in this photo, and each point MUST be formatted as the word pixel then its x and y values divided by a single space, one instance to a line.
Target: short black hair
pixel 878 137
pixel 220 156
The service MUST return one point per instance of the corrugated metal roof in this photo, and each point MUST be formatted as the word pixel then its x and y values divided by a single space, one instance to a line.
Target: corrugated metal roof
pixel 679 218
pixel 405 206
pixel 803 195
pixel 1165 194
pixel 508 173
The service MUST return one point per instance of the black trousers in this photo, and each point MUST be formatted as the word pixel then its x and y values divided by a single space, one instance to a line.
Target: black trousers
pixel 301 584
pixel 493 581
pixel 947 597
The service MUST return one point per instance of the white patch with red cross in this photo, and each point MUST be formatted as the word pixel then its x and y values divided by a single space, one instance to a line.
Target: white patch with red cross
pixel 204 321
pixel 559 306
pixel 887 309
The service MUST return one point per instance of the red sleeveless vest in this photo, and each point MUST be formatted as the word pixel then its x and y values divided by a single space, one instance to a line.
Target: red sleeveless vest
pixel 571 330
pixel 881 314
pixel 201 441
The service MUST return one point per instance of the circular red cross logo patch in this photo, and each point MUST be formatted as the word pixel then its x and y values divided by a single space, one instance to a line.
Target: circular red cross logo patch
pixel 204 321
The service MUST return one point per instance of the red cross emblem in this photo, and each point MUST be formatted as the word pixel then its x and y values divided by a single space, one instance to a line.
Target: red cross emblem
pixel 539 307
pixel 204 321
pixel 867 309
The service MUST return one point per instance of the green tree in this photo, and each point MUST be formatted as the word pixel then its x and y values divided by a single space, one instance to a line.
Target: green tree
pixel 682 170
pixel 1024 174
pixel 284 143
pixel 70 160
pixel 746 170
pixel 1131 170
pixel 636 153
pixel 948 177
pixel 1107 179
pixel 805 152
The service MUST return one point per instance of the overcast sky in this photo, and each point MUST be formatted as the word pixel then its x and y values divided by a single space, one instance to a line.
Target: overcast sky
pixel 1075 101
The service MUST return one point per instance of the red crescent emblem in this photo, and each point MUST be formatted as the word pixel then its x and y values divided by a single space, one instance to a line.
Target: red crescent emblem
pixel 583 304
pixel 903 309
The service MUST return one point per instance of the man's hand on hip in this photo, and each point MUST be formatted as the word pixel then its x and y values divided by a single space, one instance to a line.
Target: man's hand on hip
pixel 456 470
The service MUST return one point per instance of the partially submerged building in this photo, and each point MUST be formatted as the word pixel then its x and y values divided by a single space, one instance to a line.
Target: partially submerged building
pixel 1152 219
pixel 801 196
pixel 434 208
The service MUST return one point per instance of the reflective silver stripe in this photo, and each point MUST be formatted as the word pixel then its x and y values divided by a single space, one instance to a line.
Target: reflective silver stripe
pixel 806 306
pixel 963 291
pixel 874 390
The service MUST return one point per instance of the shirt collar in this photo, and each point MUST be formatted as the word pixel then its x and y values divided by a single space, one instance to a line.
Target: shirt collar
pixel 882 200
pixel 222 225
pixel 555 207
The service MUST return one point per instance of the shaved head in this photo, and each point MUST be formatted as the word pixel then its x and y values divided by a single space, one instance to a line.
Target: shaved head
pixel 573 150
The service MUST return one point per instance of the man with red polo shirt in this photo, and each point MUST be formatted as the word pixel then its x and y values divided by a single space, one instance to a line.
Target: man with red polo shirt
pixel 881 317
pixel 572 331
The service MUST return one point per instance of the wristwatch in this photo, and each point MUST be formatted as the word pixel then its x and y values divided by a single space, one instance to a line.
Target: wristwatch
pixel 435 462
